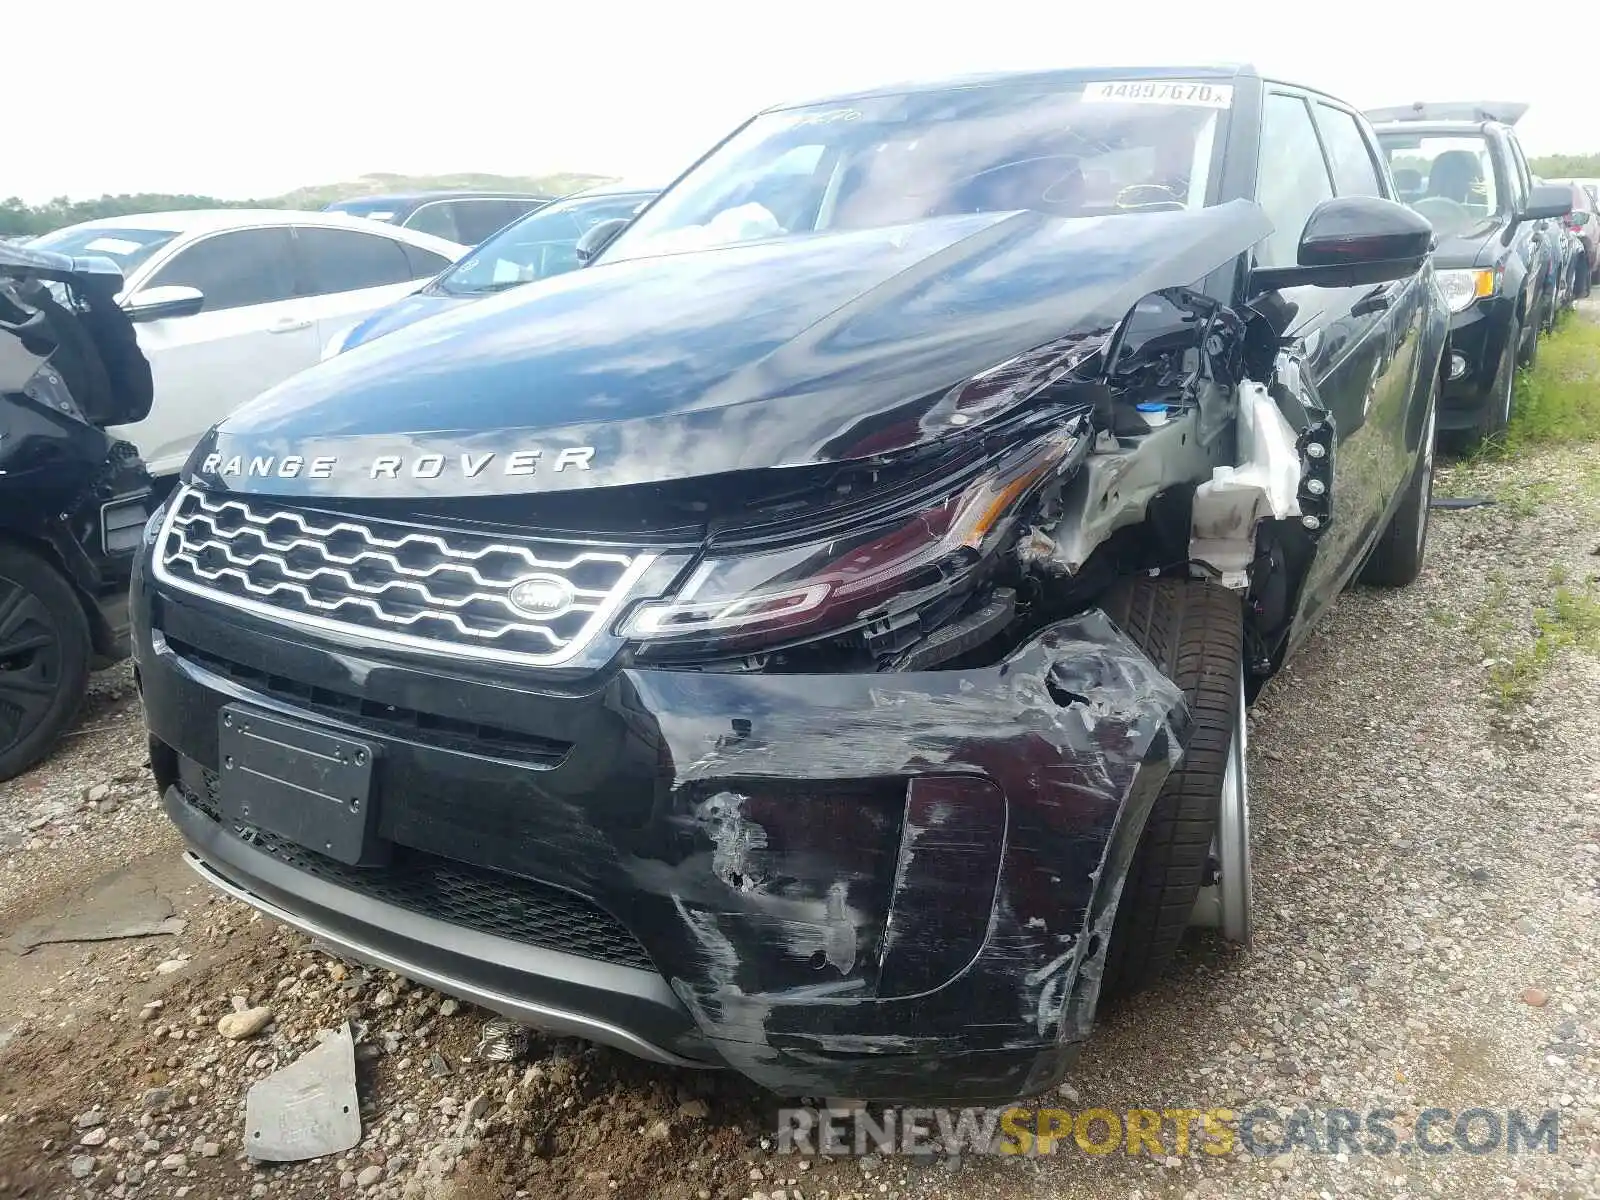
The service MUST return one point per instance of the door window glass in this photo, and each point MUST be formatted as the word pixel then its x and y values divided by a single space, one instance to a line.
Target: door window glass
pixel 438 218
pixel 1354 171
pixel 344 260
pixel 235 269
pixel 425 264
pixel 1291 178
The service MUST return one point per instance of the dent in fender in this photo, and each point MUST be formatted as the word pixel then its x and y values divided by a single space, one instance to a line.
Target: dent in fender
pixel 1029 782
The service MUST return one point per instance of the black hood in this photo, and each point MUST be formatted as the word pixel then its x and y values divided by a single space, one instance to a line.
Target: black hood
pixel 1475 248
pixel 797 351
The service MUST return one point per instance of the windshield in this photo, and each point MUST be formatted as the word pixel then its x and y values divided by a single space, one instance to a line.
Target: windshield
pixel 1448 179
pixel 125 247
pixel 540 245
pixel 1067 150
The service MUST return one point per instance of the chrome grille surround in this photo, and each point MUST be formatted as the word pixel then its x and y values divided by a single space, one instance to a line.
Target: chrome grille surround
pixel 444 591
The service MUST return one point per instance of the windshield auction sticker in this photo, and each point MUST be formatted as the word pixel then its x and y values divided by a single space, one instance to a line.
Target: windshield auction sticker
pixel 1154 91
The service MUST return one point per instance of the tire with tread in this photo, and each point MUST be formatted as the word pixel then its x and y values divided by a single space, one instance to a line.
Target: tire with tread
pixel 1193 631
pixel 25 577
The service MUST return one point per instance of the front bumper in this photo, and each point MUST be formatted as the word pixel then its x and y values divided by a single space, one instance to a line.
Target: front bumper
pixel 884 886
pixel 1478 336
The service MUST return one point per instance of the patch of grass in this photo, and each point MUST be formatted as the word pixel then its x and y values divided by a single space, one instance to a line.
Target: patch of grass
pixel 1441 615
pixel 1570 620
pixel 1524 497
pixel 1559 400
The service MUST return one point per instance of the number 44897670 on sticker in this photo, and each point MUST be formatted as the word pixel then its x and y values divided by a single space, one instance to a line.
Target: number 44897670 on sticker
pixel 1151 91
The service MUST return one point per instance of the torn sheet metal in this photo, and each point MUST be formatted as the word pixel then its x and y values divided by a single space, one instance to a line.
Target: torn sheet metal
pixel 308 1109
pixel 1264 484
pixel 1114 488
pixel 895 852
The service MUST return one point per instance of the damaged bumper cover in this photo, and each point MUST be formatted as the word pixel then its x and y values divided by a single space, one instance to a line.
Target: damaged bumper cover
pixel 819 881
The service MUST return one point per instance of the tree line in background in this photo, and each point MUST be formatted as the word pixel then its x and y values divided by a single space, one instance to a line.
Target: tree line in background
pixel 27 220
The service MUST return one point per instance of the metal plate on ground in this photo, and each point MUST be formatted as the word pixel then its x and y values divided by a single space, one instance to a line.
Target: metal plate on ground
pixel 306 784
pixel 309 1108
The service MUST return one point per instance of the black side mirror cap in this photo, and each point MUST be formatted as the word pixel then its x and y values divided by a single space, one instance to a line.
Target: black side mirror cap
pixel 597 237
pixel 1546 200
pixel 1353 240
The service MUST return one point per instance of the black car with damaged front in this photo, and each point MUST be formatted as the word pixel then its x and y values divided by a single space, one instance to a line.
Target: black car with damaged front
pixel 72 499
pixel 1462 167
pixel 814 637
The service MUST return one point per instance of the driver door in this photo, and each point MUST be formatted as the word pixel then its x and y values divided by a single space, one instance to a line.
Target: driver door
pixel 1343 340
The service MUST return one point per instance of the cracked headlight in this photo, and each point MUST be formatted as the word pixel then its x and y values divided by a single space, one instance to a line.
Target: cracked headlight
pixel 832 583
pixel 1462 288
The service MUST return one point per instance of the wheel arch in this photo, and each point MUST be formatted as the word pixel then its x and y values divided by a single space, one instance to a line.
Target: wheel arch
pixel 102 638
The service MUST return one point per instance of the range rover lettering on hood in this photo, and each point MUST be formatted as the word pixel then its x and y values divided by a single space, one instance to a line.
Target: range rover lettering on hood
pixel 398 467
pixel 793 352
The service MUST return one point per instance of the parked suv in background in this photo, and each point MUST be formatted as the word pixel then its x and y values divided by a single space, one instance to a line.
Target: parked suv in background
pixel 814 637
pixel 1460 165
pixel 228 302
pixel 465 217
pixel 1463 168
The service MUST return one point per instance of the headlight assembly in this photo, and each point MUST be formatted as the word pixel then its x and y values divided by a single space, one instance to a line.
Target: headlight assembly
pixel 833 583
pixel 1463 288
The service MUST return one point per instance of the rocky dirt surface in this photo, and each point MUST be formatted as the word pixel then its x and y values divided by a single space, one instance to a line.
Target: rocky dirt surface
pixel 1427 837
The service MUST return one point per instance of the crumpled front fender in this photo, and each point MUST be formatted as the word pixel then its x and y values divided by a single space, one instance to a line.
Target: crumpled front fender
pixel 873 859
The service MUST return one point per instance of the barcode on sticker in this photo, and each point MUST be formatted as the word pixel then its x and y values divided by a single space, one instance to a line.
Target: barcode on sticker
pixel 1150 91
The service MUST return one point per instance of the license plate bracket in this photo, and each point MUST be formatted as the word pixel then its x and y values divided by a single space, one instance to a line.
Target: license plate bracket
pixel 312 786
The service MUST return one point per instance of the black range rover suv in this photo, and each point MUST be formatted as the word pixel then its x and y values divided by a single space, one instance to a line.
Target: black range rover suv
pixel 814 638
pixel 1461 166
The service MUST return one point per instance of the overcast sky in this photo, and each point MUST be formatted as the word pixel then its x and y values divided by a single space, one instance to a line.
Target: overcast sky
pixel 239 98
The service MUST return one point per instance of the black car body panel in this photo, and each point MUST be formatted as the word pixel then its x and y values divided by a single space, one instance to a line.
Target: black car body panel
pixel 69 366
pixel 876 855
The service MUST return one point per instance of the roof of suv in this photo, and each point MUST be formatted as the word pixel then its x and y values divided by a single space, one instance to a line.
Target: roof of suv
pixel 1451 113
pixel 446 194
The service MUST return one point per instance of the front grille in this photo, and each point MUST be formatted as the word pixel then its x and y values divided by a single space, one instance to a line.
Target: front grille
pixel 492 902
pixel 445 590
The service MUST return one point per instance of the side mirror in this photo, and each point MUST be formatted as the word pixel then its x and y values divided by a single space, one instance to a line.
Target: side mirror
pixel 1580 218
pixel 157 303
pixel 1350 241
pixel 597 238
pixel 1546 200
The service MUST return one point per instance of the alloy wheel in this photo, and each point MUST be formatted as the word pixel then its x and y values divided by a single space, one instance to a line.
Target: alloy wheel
pixel 1226 903
pixel 30 662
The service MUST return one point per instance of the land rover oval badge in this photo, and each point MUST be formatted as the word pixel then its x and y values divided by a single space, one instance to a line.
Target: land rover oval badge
pixel 541 596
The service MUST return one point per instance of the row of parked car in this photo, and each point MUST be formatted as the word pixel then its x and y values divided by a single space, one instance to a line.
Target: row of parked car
pixel 814 636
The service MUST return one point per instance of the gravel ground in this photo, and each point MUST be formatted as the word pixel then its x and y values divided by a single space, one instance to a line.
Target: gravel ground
pixel 1427 841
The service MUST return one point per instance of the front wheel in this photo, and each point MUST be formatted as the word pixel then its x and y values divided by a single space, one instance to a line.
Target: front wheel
pixel 1194 632
pixel 44 658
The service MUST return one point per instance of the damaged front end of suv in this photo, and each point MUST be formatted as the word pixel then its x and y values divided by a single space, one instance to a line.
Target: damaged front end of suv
pixel 73 499
pixel 771 654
